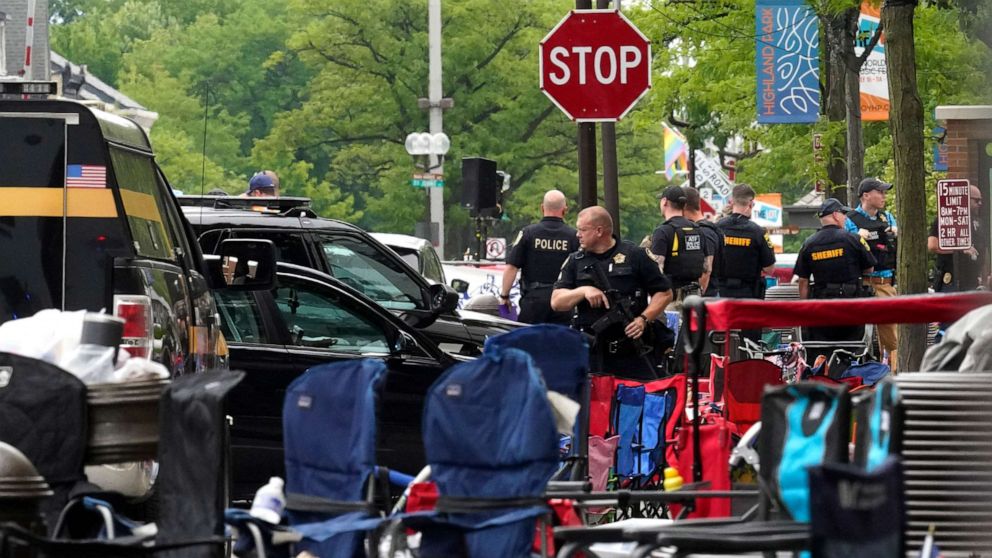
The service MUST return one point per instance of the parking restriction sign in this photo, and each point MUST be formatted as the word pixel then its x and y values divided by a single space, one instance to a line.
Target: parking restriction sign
pixel 953 215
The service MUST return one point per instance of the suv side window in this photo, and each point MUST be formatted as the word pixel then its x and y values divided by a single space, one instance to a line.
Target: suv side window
pixel 371 272
pixel 240 319
pixel 143 204
pixel 432 266
pixel 290 247
pixel 318 319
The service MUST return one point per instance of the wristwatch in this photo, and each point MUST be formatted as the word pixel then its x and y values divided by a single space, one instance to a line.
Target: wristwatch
pixel 645 318
pixel 504 297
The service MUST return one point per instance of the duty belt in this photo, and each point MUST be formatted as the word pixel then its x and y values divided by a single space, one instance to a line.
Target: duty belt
pixel 537 285
pixel 845 290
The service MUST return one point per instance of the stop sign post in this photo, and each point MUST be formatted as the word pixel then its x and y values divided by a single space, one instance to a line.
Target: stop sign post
pixel 595 65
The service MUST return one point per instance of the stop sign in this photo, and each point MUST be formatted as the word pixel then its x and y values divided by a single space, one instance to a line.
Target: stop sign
pixel 595 65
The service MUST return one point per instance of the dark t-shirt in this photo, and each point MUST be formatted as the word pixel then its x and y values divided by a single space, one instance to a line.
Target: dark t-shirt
pixel 970 270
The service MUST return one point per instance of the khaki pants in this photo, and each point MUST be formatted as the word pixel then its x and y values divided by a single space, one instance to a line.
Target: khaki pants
pixel 886 332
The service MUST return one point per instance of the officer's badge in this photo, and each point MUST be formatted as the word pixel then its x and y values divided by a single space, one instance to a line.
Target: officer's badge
pixel 947 278
pixel 619 258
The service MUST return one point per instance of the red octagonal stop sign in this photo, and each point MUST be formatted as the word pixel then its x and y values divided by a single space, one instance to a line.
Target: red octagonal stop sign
pixel 595 65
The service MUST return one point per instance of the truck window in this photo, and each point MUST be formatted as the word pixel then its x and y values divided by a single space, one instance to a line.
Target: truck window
pixel 143 204
pixel 32 170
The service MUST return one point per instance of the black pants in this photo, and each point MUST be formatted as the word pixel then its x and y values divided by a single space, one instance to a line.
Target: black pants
pixel 535 308
pixel 741 290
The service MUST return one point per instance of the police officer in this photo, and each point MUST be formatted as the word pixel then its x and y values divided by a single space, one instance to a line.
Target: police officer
pixel 635 277
pixel 539 251
pixel 713 237
pixel 879 229
pixel 747 251
pixel 837 260
pixel 679 247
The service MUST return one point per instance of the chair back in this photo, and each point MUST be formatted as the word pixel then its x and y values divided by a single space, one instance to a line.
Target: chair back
pixel 329 429
pixel 743 385
pixel 802 425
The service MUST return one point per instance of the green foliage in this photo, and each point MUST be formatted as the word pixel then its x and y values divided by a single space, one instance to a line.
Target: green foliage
pixel 325 91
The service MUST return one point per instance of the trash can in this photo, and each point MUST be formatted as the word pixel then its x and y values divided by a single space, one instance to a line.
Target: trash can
pixel 123 421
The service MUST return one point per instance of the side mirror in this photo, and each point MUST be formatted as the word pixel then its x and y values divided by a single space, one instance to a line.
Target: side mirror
pixel 243 265
pixel 460 285
pixel 444 299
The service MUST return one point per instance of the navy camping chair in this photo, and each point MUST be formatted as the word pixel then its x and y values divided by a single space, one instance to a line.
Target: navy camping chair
pixel 329 433
pixel 490 440
pixel 877 418
pixel 562 355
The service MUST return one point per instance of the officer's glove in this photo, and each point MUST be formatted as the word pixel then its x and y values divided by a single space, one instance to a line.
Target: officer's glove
pixel 863 233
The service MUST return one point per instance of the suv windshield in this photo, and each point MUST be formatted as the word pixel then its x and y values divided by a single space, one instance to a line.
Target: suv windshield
pixel 371 272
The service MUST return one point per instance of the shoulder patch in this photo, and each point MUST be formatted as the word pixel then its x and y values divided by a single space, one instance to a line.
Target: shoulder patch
pixel 768 240
pixel 517 239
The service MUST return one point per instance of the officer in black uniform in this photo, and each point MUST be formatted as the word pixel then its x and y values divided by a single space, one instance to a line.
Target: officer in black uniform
pixel 837 259
pixel 539 252
pixel 634 276
pixel 679 247
pixel 746 249
pixel 713 237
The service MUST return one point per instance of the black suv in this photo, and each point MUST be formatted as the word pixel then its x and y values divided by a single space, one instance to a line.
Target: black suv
pixel 350 255
pixel 310 318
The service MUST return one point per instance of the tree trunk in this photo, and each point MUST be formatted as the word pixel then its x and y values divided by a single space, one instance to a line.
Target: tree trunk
pixel 855 137
pixel 833 32
pixel 906 124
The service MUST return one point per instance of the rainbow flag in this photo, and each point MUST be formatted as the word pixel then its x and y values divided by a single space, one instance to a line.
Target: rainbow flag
pixel 676 152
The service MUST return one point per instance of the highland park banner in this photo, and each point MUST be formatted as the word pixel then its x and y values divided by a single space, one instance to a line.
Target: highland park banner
pixel 787 62
pixel 874 81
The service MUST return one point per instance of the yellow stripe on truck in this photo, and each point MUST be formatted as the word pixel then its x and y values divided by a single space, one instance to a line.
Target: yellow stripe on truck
pixel 47 202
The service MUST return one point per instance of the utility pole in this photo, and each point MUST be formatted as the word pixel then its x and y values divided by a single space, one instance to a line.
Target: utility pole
pixel 436 213
pixel 588 188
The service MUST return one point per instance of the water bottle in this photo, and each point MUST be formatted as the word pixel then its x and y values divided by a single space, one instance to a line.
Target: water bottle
pixel 269 502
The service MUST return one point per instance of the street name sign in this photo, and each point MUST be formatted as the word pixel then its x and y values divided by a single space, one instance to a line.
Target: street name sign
pixel 953 215
pixel 595 65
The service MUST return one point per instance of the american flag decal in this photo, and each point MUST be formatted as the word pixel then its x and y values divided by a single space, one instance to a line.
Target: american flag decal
pixel 86 176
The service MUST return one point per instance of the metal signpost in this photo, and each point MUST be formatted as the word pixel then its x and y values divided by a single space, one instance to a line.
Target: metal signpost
pixel 953 215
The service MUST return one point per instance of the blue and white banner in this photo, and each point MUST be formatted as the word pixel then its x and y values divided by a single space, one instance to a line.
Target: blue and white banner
pixel 787 62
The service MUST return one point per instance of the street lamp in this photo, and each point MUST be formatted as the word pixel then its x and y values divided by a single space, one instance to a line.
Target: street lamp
pixel 432 148
pixel 419 144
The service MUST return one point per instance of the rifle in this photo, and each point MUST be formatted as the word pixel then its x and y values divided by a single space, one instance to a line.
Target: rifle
pixel 618 313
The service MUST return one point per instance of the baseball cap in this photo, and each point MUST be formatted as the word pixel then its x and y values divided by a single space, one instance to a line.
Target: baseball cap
pixel 832 206
pixel 869 184
pixel 259 182
pixel 672 194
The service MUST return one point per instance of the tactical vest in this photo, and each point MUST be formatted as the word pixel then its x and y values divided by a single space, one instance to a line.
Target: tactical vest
pixel 619 270
pixel 834 264
pixel 547 248
pixel 740 254
pixel 881 243
pixel 685 258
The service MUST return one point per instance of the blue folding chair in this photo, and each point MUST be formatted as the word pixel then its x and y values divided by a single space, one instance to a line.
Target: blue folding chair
pixel 490 440
pixel 562 356
pixel 329 432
